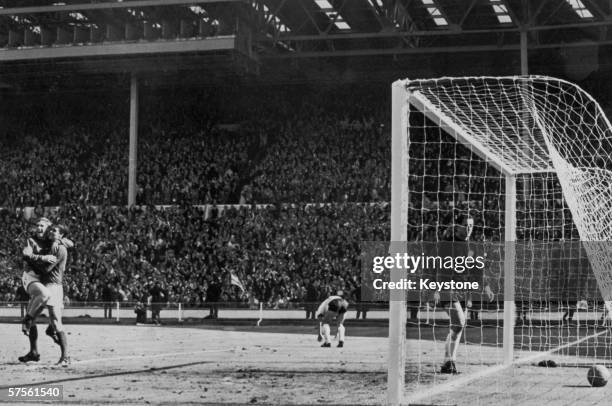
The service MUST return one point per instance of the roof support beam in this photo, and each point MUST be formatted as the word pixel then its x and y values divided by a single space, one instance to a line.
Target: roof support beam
pixel 338 14
pixel 550 15
pixel 378 14
pixel 431 50
pixel 226 43
pixel 103 6
pixel 533 17
pixel 400 9
pixel 310 17
pixel 467 13
pixel 441 33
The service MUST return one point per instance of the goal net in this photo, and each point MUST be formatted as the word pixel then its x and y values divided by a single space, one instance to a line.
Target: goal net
pixel 524 164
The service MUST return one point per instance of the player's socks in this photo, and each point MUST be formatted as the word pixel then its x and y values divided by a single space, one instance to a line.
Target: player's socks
pixel 326 333
pixel 26 324
pixel 451 346
pixel 449 368
pixel 63 342
pixel 33 337
pixel 455 346
pixel 50 331
pixel 341 331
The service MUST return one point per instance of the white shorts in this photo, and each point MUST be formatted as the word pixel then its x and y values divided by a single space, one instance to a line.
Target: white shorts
pixel 29 277
pixel 57 296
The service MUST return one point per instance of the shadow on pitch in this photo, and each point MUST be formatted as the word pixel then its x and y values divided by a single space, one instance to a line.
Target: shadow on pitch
pixel 110 374
pixel 189 364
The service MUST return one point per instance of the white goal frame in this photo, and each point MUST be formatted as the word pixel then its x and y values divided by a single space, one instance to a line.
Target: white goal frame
pixel 402 99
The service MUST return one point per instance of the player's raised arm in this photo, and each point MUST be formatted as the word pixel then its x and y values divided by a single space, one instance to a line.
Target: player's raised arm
pixel 67 242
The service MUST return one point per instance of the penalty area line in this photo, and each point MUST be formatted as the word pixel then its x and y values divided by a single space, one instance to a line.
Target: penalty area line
pixel 163 355
pixel 464 380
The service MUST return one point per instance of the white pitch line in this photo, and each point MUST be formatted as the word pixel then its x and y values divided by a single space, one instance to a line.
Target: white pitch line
pixel 168 354
pixel 462 381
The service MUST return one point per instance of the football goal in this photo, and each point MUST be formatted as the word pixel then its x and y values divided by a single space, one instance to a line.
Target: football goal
pixel 525 164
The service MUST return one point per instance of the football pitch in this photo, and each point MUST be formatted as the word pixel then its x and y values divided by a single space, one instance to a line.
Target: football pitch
pixel 280 364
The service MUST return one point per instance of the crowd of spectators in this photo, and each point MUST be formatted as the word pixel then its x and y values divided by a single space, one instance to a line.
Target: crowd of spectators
pixel 271 250
pixel 319 159
pixel 265 149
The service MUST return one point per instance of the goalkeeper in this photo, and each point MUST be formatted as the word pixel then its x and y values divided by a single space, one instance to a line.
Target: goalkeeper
pixel 458 302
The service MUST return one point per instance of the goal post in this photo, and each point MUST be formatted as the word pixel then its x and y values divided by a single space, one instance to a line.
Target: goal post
pixel 509 265
pixel 399 212
pixel 529 157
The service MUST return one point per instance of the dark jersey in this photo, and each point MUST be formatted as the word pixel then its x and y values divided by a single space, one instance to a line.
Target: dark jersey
pixel 55 272
pixel 158 294
pixel 40 247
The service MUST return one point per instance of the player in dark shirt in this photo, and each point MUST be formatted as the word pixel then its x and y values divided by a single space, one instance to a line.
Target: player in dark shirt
pixel 53 280
pixel 459 233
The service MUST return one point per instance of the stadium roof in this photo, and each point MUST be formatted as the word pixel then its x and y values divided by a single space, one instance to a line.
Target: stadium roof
pixel 285 39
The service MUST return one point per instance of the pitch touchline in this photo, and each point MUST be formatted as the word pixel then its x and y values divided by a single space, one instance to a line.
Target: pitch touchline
pixel 168 354
pixel 462 381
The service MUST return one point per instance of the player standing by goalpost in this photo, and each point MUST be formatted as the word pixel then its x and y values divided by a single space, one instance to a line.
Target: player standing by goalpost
pixel 460 232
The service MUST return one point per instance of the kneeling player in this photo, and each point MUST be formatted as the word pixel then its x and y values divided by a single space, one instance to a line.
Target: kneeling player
pixel 332 309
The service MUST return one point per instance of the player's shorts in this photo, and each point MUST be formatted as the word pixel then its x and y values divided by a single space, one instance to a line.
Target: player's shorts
pixel 29 277
pixel 457 315
pixel 57 296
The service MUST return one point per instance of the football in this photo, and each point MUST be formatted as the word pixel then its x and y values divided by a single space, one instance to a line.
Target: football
pixel 598 376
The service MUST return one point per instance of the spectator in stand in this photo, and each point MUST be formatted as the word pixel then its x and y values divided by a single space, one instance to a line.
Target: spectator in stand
pixel 361 307
pixel 141 313
pixel 311 299
pixel 158 297
pixel 213 297
pixel 108 297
